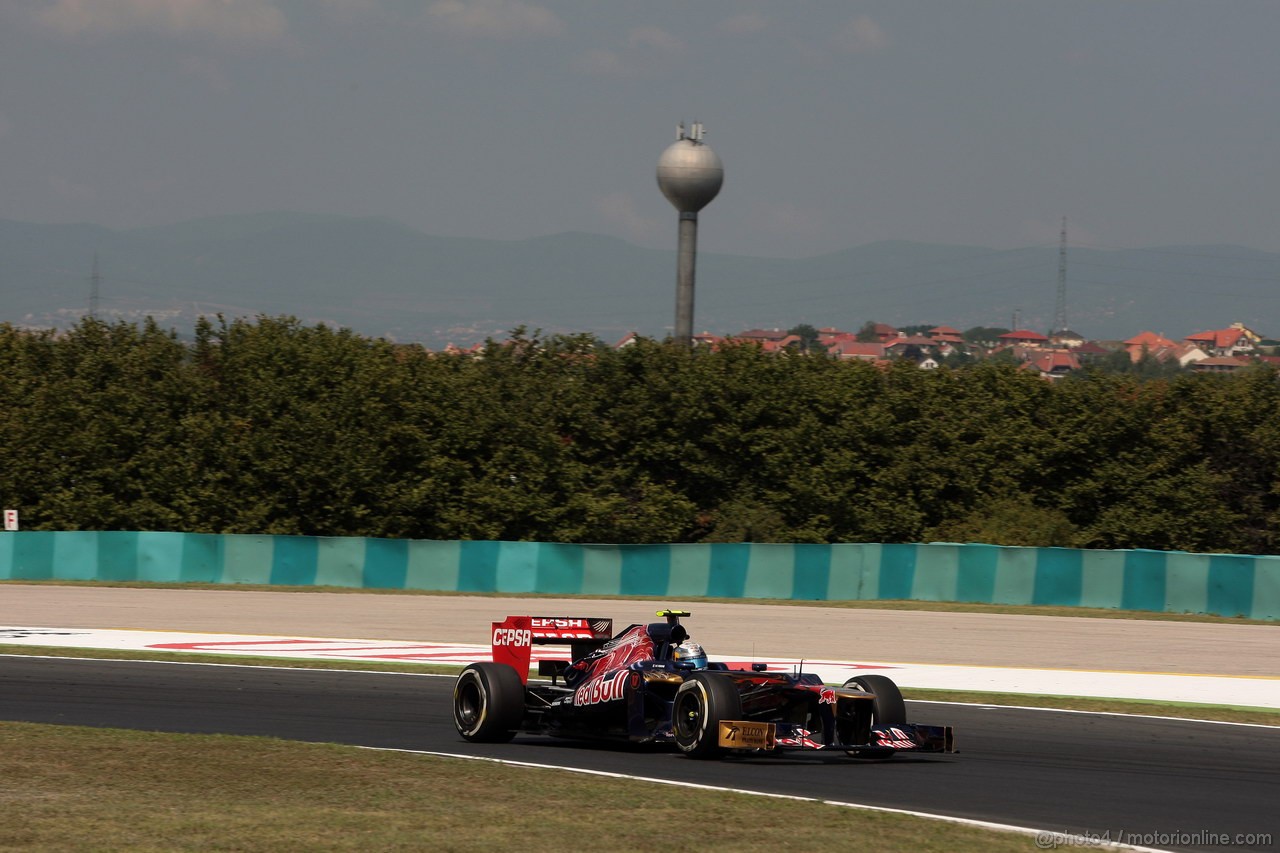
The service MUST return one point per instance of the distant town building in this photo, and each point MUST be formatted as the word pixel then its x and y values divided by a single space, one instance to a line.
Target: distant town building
pixel 1231 341
pixel 1055 364
pixel 1090 351
pixel 761 335
pixel 904 344
pixel 1147 343
pixel 1066 338
pixel 885 333
pixel 1051 356
pixel 627 340
pixel 1220 364
pixel 855 350
pixel 943 335
pixel 1024 337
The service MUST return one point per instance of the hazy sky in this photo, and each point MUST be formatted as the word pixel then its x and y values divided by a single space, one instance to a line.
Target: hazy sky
pixel 1146 122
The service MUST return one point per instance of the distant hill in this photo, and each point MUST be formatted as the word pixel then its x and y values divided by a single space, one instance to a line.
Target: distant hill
pixel 382 278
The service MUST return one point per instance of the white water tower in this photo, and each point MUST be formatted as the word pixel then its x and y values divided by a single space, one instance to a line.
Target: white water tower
pixel 689 175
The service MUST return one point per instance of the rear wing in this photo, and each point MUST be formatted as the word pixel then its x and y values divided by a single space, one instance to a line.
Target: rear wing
pixel 513 639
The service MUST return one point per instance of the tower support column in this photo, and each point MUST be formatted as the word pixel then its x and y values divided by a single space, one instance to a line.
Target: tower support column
pixel 686 253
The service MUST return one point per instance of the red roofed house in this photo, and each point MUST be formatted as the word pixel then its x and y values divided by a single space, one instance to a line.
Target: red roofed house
pixel 780 345
pixel 1090 351
pixel 849 349
pixel 949 340
pixel 1148 343
pixel 1024 337
pixel 886 334
pixel 1055 365
pixel 901 344
pixel 1232 341
pixel 946 335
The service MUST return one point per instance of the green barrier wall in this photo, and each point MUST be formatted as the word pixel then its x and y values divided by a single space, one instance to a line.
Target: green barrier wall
pixel 1175 582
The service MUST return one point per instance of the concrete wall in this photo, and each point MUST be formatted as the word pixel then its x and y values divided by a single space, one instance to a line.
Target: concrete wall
pixel 1175 582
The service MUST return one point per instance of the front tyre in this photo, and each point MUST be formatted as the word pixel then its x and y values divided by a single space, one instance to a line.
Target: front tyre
pixel 699 706
pixel 888 709
pixel 488 703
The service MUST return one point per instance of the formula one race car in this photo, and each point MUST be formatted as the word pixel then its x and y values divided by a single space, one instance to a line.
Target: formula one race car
pixel 652 684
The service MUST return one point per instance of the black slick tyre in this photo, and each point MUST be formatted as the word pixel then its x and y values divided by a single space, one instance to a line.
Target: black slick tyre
pixel 700 704
pixel 889 709
pixel 488 703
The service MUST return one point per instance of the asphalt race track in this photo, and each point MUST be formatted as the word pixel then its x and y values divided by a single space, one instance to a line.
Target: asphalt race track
pixel 1072 773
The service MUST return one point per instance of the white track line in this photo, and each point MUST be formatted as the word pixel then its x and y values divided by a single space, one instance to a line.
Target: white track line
pixel 446 675
pixel 240 666
pixel 1048 836
pixel 988 705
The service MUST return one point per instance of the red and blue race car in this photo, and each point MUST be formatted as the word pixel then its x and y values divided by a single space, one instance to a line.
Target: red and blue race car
pixel 652 684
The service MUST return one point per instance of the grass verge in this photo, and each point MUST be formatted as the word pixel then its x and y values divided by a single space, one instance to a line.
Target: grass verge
pixel 1223 713
pixel 73 788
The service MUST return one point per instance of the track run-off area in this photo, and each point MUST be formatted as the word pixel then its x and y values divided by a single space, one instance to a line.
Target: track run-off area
pixel 1151 782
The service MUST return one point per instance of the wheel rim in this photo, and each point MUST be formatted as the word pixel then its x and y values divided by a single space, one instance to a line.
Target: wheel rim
pixel 689 713
pixel 469 706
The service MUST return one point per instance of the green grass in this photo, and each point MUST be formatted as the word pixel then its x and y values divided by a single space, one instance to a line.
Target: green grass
pixel 933 606
pixel 72 788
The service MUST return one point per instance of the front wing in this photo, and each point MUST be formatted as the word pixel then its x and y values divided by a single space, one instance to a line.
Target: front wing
pixel 904 737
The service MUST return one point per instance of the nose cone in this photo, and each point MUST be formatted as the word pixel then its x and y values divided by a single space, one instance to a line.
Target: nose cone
pixel 689 175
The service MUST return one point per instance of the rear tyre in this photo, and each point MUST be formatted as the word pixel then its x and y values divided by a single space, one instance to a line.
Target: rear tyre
pixel 488 703
pixel 699 706
pixel 888 709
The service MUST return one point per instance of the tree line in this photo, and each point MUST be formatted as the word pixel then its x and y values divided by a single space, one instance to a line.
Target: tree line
pixel 272 426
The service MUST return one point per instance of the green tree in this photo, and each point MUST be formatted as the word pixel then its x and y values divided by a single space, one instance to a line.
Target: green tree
pixel 92 427
pixel 987 336
pixel 808 336
pixel 271 426
pixel 1008 521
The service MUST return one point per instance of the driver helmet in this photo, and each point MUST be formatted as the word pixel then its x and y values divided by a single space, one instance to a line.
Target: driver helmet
pixel 690 652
